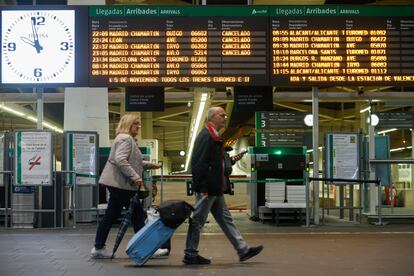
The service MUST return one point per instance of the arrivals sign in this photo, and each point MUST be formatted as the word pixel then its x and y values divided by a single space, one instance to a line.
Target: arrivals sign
pixel 103 46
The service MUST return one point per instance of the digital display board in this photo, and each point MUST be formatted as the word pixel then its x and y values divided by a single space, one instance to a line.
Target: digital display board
pixel 119 46
pixel 324 45
pixel 189 46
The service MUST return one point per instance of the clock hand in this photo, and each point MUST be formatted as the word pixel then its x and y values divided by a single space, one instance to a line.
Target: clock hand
pixel 28 41
pixel 35 36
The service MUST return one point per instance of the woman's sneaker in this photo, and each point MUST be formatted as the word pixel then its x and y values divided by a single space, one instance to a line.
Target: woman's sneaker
pixel 161 253
pixel 100 253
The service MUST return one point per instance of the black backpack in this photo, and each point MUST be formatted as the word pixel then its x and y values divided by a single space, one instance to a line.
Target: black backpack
pixel 174 212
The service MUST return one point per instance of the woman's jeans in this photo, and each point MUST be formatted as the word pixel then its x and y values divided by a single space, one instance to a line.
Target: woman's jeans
pixel 118 199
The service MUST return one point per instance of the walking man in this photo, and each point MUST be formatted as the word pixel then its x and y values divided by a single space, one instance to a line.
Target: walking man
pixel 209 182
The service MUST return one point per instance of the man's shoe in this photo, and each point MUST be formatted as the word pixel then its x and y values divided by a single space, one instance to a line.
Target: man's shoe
pixel 161 253
pixel 100 253
pixel 197 260
pixel 253 251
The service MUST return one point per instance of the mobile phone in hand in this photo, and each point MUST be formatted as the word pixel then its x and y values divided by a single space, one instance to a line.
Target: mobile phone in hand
pixel 239 155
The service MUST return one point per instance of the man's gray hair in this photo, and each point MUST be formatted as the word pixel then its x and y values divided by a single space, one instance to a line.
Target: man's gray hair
pixel 211 112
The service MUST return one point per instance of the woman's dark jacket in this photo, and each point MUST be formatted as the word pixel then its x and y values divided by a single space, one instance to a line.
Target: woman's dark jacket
pixel 207 164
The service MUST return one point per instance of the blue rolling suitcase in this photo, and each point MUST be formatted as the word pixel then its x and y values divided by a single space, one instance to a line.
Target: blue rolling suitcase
pixel 147 240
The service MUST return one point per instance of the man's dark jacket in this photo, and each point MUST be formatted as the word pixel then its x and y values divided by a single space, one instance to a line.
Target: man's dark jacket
pixel 207 164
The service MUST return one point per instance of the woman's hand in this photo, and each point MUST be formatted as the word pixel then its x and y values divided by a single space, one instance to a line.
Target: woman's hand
pixel 155 166
pixel 154 190
pixel 138 183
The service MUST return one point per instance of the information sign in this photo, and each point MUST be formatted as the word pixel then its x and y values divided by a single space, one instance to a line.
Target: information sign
pixel 81 157
pixel 353 45
pixel 395 119
pixel 342 155
pixel 33 158
pixel 133 45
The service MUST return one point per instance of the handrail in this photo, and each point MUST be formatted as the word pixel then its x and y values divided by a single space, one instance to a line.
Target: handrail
pixel 344 180
pixel 6 199
pixel 359 181
pixel 387 161
pixel 392 161
pixel 232 179
pixel 73 209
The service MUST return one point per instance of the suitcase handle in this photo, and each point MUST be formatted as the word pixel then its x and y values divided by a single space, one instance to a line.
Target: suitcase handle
pixel 161 181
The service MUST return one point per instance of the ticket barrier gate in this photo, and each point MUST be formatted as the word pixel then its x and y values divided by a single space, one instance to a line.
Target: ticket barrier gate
pixel 288 163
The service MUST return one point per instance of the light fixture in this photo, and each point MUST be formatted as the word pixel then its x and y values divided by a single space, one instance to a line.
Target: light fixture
pixel 10 110
pixel 387 130
pixel 368 108
pixel 193 132
pixel 308 120
pixel 397 149
pixel 402 148
pixel 182 153
pixel 182 166
pixel 28 117
pixel 311 150
pixel 373 120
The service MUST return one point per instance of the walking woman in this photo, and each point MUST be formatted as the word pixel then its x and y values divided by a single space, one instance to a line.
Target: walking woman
pixel 122 176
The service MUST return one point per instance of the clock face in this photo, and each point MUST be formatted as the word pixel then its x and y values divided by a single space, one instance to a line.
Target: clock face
pixel 38 46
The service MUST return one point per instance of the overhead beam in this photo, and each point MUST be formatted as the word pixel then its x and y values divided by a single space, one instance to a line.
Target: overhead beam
pixel 184 97
pixel 323 112
pixel 172 119
pixel 159 130
pixel 170 112
pixel 171 123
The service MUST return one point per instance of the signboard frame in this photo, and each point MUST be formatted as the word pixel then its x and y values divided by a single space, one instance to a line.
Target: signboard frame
pixel 253 98
pixel 22 144
pixel 181 19
pixel 144 99
pixel 331 158
pixel 391 66
pixel 395 119
pixel 292 138
pixel 70 153
pixel 4 151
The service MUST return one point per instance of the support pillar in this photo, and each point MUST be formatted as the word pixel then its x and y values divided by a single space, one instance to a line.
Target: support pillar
pixel 86 109
pixel 315 144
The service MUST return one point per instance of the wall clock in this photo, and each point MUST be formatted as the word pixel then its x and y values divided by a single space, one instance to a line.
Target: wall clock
pixel 38 46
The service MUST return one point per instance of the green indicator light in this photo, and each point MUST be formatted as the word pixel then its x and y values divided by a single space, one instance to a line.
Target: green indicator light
pixel 278 152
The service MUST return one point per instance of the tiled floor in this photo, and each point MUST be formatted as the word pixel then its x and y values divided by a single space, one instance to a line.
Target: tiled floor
pixel 338 249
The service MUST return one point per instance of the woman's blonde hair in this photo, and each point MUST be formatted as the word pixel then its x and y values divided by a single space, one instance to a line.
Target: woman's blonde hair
pixel 124 125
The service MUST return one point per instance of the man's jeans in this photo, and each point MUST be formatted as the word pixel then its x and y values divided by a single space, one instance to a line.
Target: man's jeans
pixel 218 208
